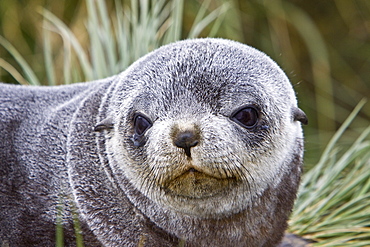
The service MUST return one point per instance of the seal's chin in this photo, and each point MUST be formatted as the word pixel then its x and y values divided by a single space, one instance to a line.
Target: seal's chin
pixel 195 184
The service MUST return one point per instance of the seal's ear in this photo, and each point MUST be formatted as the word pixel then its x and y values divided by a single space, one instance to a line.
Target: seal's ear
pixel 106 124
pixel 299 115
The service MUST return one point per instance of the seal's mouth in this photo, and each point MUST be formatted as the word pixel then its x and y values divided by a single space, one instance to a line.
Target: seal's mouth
pixel 195 184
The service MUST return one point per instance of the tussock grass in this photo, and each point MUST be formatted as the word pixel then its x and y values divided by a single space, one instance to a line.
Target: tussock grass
pixel 333 202
pixel 115 40
pixel 26 69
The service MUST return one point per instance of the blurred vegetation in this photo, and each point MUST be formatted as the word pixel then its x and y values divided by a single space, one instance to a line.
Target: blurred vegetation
pixel 323 46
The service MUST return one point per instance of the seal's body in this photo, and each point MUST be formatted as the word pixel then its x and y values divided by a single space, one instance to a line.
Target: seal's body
pixel 197 143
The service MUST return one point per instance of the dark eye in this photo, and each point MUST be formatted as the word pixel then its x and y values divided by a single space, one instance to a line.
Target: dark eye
pixel 141 124
pixel 246 117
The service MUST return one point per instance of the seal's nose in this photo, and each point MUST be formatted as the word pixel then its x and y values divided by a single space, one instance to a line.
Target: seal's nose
pixel 186 140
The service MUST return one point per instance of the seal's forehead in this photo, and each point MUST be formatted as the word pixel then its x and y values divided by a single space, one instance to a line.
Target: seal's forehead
pixel 207 56
pixel 214 53
pixel 216 59
pixel 211 71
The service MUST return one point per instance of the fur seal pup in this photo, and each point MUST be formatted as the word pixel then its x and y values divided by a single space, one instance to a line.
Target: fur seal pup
pixel 198 143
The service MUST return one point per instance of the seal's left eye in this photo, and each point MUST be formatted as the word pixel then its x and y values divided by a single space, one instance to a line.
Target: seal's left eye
pixel 141 124
pixel 246 117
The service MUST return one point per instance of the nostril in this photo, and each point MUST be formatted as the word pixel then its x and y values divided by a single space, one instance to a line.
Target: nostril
pixel 186 140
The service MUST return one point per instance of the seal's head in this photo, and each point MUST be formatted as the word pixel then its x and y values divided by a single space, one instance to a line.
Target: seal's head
pixel 204 127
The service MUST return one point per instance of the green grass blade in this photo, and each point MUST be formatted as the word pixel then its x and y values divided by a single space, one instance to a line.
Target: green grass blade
pixel 332 142
pixel 108 39
pixel 49 64
pixel 13 72
pixel 28 72
pixel 69 38
pixel 177 18
pixel 332 207
pixel 202 20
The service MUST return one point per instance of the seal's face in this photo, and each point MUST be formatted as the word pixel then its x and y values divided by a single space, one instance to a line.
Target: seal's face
pixel 209 126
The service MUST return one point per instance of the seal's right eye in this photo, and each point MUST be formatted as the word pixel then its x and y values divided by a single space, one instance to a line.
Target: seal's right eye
pixel 141 124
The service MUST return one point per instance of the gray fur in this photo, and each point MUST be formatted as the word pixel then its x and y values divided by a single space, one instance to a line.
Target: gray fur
pixel 75 147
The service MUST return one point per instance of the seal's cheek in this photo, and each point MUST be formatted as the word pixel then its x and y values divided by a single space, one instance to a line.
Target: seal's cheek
pixel 195 184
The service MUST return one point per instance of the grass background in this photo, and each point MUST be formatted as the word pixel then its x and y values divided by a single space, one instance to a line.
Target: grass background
pixel 323 46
